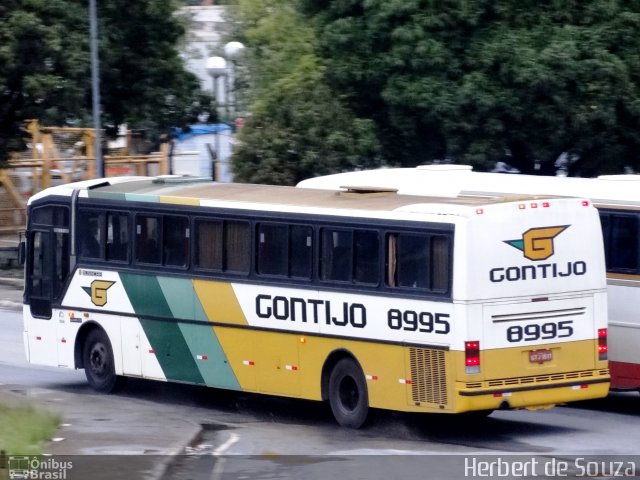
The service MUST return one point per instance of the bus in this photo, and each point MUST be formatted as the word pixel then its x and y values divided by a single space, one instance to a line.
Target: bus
pixel 361 298
pixel 617 198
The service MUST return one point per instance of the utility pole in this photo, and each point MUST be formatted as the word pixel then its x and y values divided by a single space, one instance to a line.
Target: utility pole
pixel 95 88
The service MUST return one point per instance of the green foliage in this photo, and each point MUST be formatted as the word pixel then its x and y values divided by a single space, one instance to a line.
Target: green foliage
pixel 41 76
pixel 300 130
pixel 45 66
pixel 144 82
pixel 472 81
pixel 299 127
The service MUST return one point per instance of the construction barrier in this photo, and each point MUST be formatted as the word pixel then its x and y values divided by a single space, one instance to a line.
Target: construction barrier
pixel 60 155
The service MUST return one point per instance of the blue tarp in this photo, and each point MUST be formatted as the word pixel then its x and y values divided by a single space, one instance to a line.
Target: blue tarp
pixel 200 129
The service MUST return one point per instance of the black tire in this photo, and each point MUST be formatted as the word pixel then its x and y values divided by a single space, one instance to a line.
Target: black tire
pixel 97 358
pixel 348 395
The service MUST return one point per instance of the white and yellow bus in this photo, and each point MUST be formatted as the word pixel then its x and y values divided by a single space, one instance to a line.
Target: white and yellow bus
pixel 363 298
pixel 617 198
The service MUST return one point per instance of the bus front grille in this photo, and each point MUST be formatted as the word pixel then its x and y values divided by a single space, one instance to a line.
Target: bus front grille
pixel 428 375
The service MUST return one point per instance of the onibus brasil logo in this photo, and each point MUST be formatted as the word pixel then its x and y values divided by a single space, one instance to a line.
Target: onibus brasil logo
pixel 33 467
pixel 537 243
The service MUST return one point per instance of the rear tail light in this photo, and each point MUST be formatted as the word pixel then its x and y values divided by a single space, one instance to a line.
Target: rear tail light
pixel 472 356
pixel 603 348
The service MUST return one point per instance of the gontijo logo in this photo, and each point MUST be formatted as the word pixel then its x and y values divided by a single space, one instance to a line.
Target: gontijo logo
pixel 98 292
pixel 537 243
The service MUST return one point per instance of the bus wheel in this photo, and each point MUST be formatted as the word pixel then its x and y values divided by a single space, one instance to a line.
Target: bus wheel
pixel 97 358
pixel 348 394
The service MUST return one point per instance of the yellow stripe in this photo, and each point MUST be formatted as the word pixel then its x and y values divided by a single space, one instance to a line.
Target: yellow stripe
pixel 220 305
pixel 179 200
pixel 219 302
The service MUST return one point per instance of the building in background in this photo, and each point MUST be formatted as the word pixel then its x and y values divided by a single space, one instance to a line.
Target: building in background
pixel 203 151
pixel 206 149
pixel 206 26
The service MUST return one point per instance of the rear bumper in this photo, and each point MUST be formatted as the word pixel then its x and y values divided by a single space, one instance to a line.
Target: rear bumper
pixel 531 395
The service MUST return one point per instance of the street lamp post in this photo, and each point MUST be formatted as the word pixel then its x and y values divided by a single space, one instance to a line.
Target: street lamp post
pixel 223 67
pixel 216 68
pixel 232 51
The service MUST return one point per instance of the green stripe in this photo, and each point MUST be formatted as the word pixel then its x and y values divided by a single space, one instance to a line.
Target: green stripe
pixel 105 195
pixel 165 336
pixel 141 197
pixel 200 338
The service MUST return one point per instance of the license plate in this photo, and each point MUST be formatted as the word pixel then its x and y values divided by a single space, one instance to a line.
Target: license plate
pixel 540 356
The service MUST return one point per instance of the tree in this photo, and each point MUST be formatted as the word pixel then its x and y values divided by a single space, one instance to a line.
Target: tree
pixel 480 80
pixel 144 81
pixel 44 66
pixel 41 73
pixel 298 126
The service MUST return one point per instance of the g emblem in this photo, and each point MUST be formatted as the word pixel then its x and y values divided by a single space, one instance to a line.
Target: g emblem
pixel 98 292
pixel 537 243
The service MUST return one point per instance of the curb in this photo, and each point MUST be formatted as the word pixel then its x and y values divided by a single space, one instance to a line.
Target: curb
pixel 164 468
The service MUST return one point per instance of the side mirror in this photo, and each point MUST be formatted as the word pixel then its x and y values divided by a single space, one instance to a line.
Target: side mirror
pixel 22 252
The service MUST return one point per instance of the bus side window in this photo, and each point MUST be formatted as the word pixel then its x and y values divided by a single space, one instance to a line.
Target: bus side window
pixel 419 261
pixel 623 245
pixel 440 263
pixel 223 245
pixel 117 243
pixel 147 239
pixel 301 251
pixel 337 254
pixel 412 261
pixel 606 235
pixel 273 249
pixel 237 245
pixel 40 282
pixel 175 241
pixel 208 244
pixel 284 250
pixel 350 256
pixel 90 226
pixel 366 257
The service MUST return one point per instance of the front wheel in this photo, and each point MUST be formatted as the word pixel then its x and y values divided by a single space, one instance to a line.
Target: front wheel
pixel 97 357
pixel 348 395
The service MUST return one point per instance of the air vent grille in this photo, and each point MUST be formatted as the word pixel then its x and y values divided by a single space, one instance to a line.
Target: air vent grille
pixel 428 375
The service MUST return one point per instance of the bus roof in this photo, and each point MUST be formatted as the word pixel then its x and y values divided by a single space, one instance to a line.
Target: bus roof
pixel 456 180
pixel 198 191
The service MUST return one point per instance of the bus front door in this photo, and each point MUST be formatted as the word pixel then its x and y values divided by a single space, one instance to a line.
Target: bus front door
pixel 47 269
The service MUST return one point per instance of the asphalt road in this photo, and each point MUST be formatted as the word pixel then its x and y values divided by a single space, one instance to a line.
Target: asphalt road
pixel 156 430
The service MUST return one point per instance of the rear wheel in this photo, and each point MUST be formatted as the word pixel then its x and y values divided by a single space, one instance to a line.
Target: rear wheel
pixel 97 357
pixel 348 395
